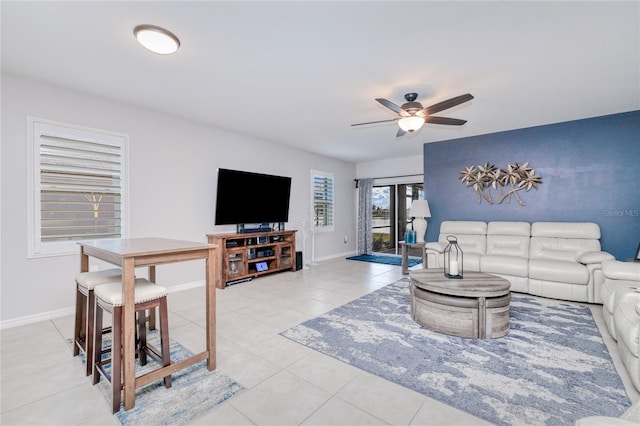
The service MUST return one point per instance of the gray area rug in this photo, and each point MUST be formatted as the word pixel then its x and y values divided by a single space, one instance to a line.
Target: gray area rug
pixel 552 368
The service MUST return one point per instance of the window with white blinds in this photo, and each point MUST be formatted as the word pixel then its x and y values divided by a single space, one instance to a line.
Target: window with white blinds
pixel 322 188
pixel 78 185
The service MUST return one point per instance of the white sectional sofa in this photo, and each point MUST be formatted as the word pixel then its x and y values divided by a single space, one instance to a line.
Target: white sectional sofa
pixel 621 311
pixel 560 260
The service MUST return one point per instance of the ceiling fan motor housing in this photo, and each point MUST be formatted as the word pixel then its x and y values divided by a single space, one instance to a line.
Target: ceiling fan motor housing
pixel 412 107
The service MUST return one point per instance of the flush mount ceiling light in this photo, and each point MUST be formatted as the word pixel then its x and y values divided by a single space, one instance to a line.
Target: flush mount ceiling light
pixel 156 39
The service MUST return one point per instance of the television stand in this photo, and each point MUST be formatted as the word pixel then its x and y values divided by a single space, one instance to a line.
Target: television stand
pixel 246 256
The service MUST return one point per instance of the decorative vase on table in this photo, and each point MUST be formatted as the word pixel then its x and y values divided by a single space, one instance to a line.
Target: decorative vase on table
pixel 419 211
pixel 453 259
pixel 409 236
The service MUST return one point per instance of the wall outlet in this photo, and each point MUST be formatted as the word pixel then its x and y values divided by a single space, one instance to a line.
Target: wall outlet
pixel 346 239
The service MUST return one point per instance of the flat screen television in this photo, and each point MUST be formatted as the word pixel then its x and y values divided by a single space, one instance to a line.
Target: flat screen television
pixel 251 198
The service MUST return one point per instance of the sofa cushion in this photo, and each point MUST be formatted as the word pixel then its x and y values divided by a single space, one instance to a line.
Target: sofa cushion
pixel 471 262
pixel 502 264
pixel 508 238
pixel 508 245
pixel 558 271
pixel 507 248
pixel 580 230
pixel 463 227
pixel 471 235
pixel 521 229
pixel 561 248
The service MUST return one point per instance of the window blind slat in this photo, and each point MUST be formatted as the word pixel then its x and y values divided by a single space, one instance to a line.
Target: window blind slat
pixel 323 200
pixel 80 184
pixel 59 136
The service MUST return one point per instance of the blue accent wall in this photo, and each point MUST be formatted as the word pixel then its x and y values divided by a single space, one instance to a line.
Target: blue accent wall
pixel 590 172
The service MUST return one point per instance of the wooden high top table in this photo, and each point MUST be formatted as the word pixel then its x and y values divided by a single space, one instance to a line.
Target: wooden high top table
pixel 131 253
pixel 476 306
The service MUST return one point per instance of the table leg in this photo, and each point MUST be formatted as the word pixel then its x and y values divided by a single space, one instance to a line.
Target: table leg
pixel 152 311
pixel 424 257
pixel 84 261
pixel 482 318
pixel 405 260
pixel 128 327
pixel 219 266
pixel 210 286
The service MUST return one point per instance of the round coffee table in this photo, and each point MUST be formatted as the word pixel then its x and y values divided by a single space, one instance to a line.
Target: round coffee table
pixel 476 306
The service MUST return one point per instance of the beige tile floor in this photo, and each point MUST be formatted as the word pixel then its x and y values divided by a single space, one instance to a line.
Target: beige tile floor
pixel 285 383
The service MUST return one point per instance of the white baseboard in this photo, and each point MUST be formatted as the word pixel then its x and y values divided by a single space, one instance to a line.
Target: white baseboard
pixel 31 319
pixel 59 313
pixel 334 256
pixel 185 286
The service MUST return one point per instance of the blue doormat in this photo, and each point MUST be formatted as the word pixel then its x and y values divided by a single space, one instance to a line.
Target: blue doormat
pixel 387 260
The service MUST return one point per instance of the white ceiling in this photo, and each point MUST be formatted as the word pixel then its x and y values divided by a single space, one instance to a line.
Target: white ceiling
pixel 299 73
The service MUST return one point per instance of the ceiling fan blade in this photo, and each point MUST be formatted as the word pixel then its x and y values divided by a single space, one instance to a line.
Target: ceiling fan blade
pixel 449 103
pixel 444 120
pixel 374 122
pixel 400 133
pixel 393 107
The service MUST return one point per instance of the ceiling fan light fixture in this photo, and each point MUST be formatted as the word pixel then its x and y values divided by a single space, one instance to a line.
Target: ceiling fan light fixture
pixel 411 123
pixel 156 39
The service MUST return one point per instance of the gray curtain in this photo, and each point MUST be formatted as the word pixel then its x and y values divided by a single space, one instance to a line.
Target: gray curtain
pixel 365 216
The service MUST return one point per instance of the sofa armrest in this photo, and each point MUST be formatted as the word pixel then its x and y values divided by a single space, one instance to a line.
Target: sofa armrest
pixel 437 246
pixel 617 270
pixel 594 257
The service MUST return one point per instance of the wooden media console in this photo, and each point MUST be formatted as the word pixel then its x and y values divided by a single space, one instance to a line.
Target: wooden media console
pixel 245 256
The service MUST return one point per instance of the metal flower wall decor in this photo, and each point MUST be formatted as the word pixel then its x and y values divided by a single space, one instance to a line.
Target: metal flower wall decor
pixel 508 181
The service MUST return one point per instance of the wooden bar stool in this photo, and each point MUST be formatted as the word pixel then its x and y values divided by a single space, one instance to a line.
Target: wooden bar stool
pixel 108 297
pixel 85 303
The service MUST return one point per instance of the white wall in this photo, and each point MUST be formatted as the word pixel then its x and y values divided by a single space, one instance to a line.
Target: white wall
pixel 400 166
pixel 173 169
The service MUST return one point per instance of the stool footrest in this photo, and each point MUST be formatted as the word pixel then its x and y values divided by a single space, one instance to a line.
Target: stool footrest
pixel 154 375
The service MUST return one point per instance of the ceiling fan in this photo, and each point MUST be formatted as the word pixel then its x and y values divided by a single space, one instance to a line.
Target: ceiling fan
pixel 412 115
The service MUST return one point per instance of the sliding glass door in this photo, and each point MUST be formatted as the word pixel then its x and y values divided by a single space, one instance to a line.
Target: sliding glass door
pixel 383 218
pixel 391 205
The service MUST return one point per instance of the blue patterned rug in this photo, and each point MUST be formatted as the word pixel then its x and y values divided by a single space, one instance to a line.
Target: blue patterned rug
pixel 193 390
pixel 387 260
pixel 551 369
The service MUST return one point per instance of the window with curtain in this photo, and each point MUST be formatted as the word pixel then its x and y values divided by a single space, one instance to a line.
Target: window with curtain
pixel 78 186
pixel 322 188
